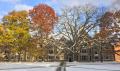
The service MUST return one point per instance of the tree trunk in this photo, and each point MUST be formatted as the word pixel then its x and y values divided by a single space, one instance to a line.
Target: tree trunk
pixel 101 55
pixel 25 55
pixel 9 57
pixel 19 56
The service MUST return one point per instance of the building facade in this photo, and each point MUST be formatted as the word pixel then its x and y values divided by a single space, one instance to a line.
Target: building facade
pixel 117 52
pixel 91 55
pixel 85 54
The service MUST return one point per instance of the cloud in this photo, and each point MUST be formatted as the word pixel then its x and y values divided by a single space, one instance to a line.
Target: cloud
pixel 20 7
pixel 1 17
pixel 72 3
pixel 117 2
pixel 2 14
pixel 115 5
pixel 11 1
pixel 54 0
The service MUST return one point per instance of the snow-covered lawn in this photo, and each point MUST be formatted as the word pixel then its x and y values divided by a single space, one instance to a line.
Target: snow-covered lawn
pixel 40 66
pixel 52 66
pixel 105 66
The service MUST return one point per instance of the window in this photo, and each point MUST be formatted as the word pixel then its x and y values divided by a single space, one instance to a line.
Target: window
pixel 50 51
pixel 84 58
pixel 96 52
pixel 84 51
pixel 107 57
pixel 50 57
pixel 96 57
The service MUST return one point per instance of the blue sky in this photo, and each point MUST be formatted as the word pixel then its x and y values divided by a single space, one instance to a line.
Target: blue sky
pixel 9 5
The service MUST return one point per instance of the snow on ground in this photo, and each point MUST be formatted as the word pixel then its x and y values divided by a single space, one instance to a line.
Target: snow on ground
pixel 105 66
pixel 40 66
pixel 52 66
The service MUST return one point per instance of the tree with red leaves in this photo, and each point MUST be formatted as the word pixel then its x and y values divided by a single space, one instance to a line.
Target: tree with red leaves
pixel 44 17
pixel 109 24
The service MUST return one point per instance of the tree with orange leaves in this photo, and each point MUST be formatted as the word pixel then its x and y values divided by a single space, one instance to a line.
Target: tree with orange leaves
pixel 109 25
pixel 109 33
pixel 44 17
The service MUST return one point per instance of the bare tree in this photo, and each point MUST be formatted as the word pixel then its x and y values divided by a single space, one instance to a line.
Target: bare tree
pixel 109 32
pixel 76 23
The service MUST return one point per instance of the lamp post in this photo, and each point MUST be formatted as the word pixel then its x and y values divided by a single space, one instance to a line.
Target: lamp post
pixel 101 55
pixel 62 66
pixel 63 63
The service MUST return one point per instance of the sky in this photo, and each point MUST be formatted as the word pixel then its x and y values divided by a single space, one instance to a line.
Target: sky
pixel 9 5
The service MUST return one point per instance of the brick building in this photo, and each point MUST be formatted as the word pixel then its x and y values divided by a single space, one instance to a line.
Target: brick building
pixel 87 54
pixel 117 52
